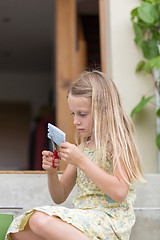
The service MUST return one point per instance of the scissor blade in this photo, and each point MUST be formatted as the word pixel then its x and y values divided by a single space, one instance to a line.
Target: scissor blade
pixel 53 144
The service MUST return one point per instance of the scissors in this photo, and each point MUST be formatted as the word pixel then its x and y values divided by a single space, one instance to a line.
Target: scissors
pixel 56 136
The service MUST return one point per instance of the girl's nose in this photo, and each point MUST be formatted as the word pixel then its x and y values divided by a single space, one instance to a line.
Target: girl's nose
pixel 76 120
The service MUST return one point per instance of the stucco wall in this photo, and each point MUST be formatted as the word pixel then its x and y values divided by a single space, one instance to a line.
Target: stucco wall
pixel 122 57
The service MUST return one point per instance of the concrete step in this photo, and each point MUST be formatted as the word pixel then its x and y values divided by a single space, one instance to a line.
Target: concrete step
pixel 31 190
pixel 147 226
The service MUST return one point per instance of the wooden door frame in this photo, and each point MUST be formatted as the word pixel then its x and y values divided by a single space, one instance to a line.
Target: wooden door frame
pixel 65 46
pixel 70 60
pixel 102 24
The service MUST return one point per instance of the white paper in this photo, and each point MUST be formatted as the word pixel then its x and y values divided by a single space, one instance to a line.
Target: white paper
pixel 55 134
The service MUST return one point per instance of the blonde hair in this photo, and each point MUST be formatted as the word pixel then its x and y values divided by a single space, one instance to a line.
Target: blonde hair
pixel 113 129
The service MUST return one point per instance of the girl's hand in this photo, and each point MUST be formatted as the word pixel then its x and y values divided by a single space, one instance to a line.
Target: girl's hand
pixel 71 154
pixel 47 164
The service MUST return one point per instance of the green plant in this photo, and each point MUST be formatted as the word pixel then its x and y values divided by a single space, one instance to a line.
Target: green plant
pixel 146 24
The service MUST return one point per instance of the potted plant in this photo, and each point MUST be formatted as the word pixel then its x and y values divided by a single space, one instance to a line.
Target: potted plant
pixel 146 24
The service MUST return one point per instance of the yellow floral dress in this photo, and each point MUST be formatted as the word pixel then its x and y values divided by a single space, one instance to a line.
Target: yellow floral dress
pixel 95 213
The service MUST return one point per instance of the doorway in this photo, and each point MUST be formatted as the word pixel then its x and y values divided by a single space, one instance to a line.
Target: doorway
pixel 26 75
pixel 29 72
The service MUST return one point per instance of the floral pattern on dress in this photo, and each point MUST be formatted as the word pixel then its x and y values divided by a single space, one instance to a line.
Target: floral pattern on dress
pixel 95 213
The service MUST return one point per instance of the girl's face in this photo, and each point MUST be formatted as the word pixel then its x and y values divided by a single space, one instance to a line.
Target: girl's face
pixel 81 110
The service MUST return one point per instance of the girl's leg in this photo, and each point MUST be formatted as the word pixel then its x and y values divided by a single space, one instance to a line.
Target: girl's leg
pixel 53 228
pixel 26 234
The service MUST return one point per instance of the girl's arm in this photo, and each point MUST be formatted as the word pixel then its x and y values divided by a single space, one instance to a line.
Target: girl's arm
pixel 112 185
pixel 59 189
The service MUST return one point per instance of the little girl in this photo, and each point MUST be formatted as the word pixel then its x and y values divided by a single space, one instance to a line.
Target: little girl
pixel 104 164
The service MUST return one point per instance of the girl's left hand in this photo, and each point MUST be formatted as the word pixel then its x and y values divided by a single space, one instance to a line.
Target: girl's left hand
pixel 71 154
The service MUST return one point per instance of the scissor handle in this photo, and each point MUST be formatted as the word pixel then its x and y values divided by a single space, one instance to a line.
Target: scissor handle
pixel 55 155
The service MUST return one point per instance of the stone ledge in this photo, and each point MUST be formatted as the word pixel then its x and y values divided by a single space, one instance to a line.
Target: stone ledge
pixel 147 224
pixel 30 190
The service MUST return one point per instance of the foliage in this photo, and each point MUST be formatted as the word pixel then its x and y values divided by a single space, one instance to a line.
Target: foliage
pixel 141 104
pixel 146 25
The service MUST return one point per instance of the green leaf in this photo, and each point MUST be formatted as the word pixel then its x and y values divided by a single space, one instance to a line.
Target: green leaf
pixel 138 34
pixel 158 112
pixel 151 1
pixel 134 13
pixel 141 105
pixel 157 7
pixel 153 63
pixel 158 141
pixel 147 12
pixel 140 66
pixel 150 49
pixel 156 36
pixel 144 26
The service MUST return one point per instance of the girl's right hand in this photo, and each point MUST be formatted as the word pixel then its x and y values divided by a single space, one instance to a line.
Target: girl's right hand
pixel 47 165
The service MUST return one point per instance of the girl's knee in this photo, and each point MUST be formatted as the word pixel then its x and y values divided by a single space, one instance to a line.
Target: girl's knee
pixel 38 221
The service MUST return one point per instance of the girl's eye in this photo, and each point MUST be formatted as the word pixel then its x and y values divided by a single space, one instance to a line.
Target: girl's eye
pixel 82 114
pixel 79 114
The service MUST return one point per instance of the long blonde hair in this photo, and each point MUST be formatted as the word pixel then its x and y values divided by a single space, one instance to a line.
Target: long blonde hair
pixel 113 129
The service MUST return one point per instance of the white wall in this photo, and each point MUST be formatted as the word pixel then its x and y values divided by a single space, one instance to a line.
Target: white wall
pixel 122 57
